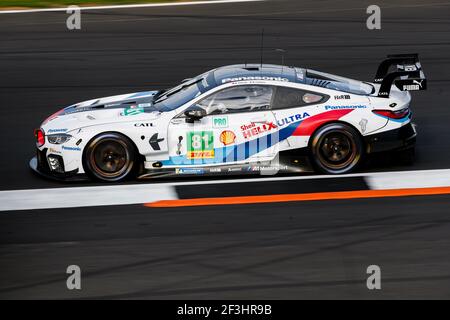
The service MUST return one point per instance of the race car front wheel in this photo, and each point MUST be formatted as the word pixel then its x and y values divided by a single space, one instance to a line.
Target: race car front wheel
pixel 336 148
pixel 110 157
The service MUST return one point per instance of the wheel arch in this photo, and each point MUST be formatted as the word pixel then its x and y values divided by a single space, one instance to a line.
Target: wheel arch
pixel 310 139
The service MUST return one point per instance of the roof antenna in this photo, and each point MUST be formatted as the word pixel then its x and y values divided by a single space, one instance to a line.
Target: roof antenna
pixel 282 51
pixel 262 46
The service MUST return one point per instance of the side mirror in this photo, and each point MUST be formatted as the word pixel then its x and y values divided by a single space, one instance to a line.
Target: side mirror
pixel 194 114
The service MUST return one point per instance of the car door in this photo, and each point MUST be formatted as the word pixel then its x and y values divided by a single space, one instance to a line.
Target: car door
pixel 190 142
pixel 238 127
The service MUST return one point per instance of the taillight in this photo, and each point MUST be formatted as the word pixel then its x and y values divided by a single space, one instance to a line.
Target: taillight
pixel 393 114
pixel 40 137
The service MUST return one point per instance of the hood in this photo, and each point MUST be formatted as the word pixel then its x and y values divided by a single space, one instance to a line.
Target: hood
pixel 100 111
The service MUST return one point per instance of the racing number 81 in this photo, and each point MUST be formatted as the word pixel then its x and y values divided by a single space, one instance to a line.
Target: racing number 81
pixel 200 144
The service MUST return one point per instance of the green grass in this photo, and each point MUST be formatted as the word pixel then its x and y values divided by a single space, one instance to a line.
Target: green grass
pixel 65 3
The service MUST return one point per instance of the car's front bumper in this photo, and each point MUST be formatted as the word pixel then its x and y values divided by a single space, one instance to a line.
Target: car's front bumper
pixel 397 139
pixel 40 165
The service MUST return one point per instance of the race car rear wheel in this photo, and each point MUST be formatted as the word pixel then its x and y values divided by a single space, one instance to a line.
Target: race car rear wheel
pixel 110 157
pixel 336 148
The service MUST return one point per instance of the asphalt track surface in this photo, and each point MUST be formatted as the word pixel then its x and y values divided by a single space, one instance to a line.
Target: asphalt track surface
pixel 295 250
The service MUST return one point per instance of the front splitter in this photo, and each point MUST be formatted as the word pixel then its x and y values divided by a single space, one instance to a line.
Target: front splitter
pixel 70 177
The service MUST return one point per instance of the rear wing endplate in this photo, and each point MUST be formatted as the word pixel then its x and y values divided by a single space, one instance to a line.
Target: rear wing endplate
pixel 409 75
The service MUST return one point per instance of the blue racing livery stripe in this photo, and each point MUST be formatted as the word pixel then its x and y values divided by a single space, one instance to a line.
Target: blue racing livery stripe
pixel 238 152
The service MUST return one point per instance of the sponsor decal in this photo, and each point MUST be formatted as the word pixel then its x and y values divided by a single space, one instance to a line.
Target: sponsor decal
pixel 77 110
pixel 51 150
pixel 189 171
pixel 254 78
pixel 200 145
pixel 270 168
pixel 143 124
pixel 132 110
pixel 345 107
pixel 238 169
pixel 254 129
pixel 154 142
pixel 71 148
pixel 291 119
pixel 342 96
pixel 215 170
pixel 179 145
pixel 363 125
pixel 417 85
pixel 220 122
pixel 227 137
pixel 56 130
pixel 410 68
pixel 144 105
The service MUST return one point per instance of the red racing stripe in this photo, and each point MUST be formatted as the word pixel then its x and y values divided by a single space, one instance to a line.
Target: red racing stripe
pixel 309 125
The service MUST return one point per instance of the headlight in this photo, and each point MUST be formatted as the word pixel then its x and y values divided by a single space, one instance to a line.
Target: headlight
pixel 58 138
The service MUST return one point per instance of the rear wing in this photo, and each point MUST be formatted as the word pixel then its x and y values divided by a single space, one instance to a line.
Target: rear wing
pixel 409 70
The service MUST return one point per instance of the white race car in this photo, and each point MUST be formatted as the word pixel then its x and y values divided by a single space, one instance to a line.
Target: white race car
pixel 236 119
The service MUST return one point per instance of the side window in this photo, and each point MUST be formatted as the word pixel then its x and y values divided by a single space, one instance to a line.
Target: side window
pixel 238 99
pixel 286 98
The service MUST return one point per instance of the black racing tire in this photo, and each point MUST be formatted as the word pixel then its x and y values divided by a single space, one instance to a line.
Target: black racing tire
pixel 110 157
pixel 336 148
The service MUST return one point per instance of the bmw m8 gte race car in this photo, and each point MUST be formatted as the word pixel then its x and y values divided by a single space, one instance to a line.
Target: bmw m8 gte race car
pixel 235 119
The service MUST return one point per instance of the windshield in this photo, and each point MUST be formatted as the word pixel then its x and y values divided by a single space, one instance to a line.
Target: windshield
pixel 174 98
pixel 177 96
pixel 331 81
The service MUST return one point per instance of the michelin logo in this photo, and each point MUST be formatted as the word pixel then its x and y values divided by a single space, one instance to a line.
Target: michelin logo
pixel 345 107
pixel 189 171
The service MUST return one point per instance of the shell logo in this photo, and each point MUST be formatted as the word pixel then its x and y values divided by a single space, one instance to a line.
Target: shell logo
pixel 227 137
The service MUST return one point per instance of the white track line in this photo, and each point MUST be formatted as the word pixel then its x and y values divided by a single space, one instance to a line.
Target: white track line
pixel 84 197
pixel 53 198
pixel 409 179
pixel 130 6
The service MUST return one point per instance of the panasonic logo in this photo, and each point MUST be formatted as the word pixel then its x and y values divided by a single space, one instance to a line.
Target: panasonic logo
pixel 71 148
pixel 254 78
